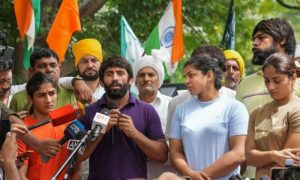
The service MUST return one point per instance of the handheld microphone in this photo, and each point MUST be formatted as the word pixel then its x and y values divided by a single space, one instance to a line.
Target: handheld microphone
pixel 99 123
pixel 74 130
pixel 62 115
pixel 113 105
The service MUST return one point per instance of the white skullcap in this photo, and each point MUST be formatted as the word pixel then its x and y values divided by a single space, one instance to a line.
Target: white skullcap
pixel 150 61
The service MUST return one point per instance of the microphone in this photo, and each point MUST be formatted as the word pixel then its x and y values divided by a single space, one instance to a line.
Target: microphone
pixel 74 130
pixel 99 123
pixel 113 105
pixel 62 115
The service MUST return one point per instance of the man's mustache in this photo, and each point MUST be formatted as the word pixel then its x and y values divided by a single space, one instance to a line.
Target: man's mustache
pixel 90 69
pixel 115 84
pixel 255 50
pixel 229 79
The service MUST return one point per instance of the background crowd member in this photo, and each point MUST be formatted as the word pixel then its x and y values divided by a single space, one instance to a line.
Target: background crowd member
pixel 7 90
pixel 269 36
pixel 88 58
pixel 42 92
pixel 216 123
pixel 206 50
pixel 274 128
pixel 148 74
pixel 235 69
pixel 138 133
pixel 45 61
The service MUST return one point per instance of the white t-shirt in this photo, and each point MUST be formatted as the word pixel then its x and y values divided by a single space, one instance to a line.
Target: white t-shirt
pixel 205 129
pixel 184 97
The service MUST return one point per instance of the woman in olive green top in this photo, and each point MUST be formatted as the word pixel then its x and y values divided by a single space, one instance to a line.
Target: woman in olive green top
pixel 274 128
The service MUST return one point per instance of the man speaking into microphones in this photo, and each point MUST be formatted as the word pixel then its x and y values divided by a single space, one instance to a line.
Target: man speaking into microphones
pixel 138 133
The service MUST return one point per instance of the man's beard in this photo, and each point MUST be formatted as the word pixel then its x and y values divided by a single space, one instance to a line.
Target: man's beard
pixel 259 56
pixel 87 77
pixel 116 94
pixel 4 91
pixel 231 84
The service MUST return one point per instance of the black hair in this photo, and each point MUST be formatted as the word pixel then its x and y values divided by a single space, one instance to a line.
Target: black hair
pixel 5 65
pixel 280 30
pixel 39 53
pixel 115 61
pixel 212 51
pixel 207 63
pixel 283 63
pixel 35 82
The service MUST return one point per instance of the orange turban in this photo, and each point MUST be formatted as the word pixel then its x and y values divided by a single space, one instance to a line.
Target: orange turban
pixel 87 47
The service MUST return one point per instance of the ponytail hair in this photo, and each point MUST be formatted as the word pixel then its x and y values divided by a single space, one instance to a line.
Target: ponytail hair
pixel 205 64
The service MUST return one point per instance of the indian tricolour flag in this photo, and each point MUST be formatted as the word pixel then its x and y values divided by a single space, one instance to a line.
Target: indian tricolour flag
pixel 167 36
pixel 28 19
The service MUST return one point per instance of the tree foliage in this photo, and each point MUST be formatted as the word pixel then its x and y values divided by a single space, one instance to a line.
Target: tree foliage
pixel 203 23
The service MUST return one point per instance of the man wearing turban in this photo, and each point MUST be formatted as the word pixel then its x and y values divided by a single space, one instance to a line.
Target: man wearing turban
pixel 235 67
pixel 88 58
pixel 148 72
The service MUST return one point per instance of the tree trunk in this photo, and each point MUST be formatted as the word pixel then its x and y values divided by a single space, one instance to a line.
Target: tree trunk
pixel 20 74
pixel 90 7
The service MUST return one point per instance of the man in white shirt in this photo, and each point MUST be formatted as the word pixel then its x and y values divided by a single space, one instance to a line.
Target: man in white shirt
pixel 148 76
pixel 87 58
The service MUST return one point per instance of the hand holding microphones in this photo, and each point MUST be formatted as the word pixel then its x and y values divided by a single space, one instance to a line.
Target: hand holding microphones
pixel 126 125
pixel 75 130
pixel 120 120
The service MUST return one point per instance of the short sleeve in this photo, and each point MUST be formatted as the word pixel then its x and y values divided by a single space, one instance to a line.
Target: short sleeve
pixel 294 120
pixel 171 109
pixel 251 123
pixel 154 129
pixel 5 112
pixel 239 120
pixel 175 131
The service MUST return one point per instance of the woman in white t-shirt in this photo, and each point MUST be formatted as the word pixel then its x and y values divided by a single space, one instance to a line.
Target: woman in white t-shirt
pixel 207 133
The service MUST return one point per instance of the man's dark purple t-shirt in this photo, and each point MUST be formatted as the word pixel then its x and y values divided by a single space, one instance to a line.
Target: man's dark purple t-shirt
pixel 124 159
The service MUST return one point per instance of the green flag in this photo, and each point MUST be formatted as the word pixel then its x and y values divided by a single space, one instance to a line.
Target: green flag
pixel 228 40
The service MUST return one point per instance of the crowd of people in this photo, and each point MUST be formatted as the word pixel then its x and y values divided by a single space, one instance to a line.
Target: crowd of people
pixel 224 121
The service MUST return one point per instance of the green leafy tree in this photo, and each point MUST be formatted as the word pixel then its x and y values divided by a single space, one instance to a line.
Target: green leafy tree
pixel 203 23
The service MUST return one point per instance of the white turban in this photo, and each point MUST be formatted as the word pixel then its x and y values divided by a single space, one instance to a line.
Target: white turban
pixel 150 61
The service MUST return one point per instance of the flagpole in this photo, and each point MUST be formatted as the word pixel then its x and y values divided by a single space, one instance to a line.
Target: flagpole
pixel 193 27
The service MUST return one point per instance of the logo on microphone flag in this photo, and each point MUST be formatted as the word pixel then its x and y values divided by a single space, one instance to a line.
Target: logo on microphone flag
pixel 72 144
pixel 103 120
